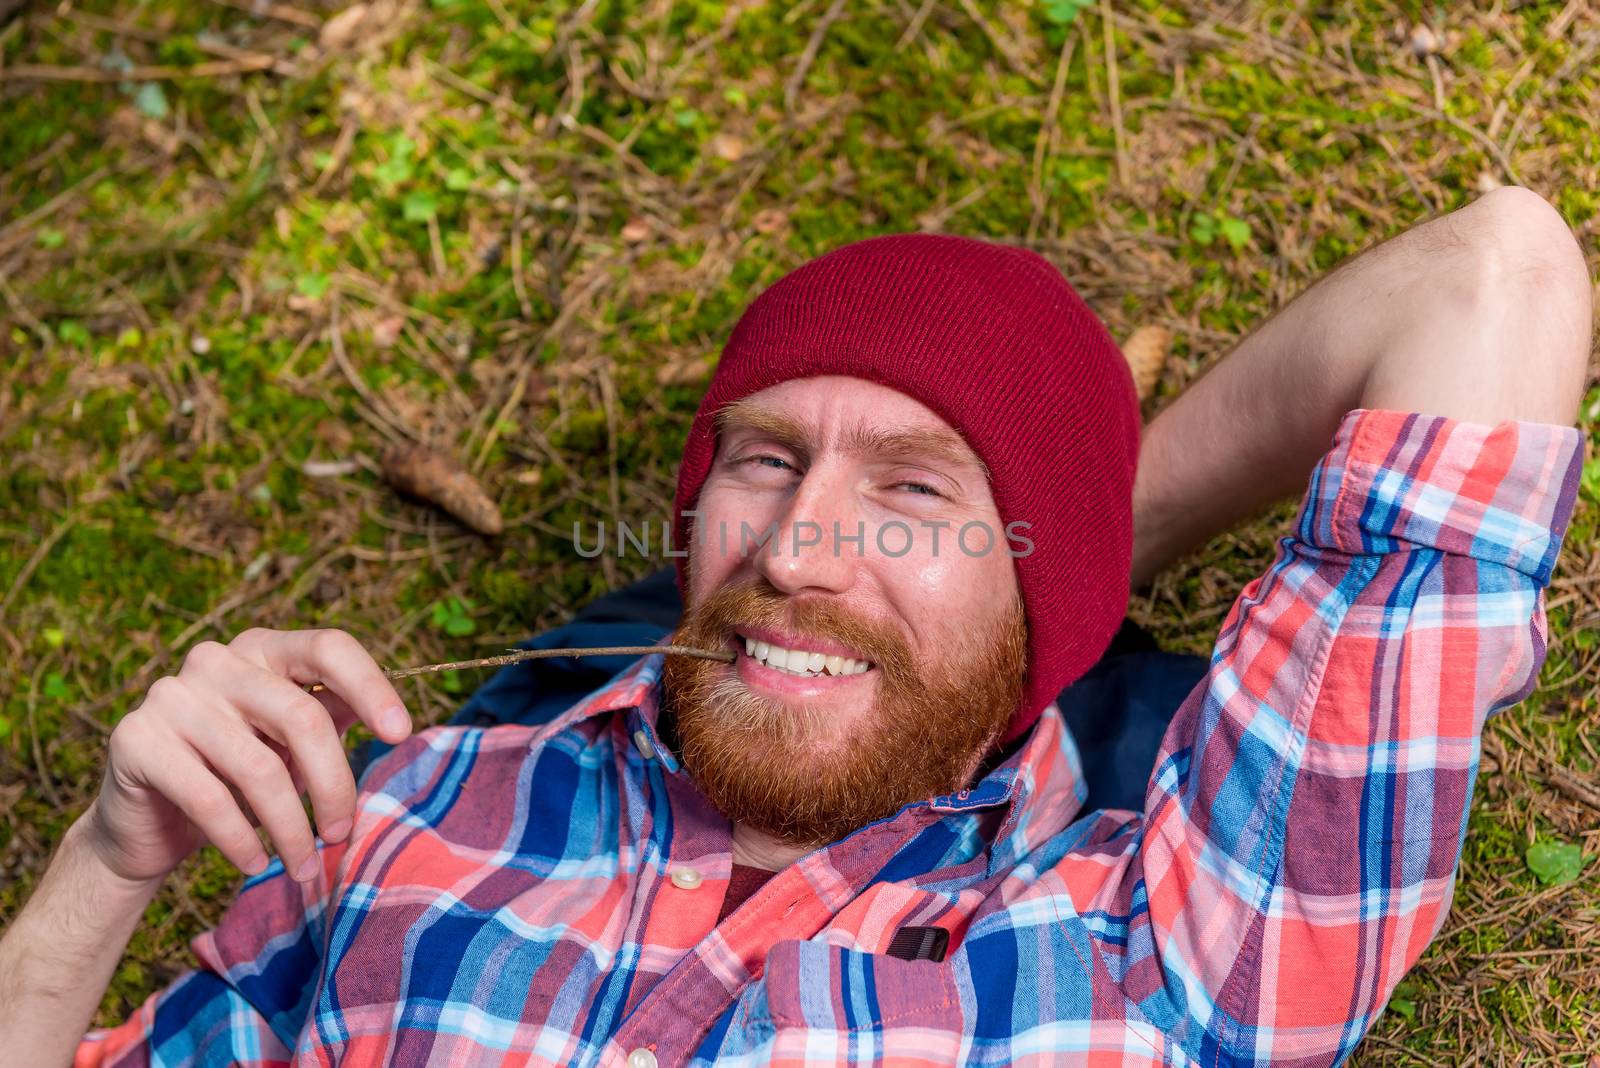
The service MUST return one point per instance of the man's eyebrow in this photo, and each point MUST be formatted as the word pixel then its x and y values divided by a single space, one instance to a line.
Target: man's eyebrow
pixel 742 415
pixel 914 443
pixel 909 443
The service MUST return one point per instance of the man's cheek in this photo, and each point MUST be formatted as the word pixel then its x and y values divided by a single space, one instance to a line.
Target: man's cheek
pixel 727 534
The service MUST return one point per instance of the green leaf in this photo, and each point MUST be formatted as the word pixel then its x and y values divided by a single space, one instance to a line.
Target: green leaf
pixel 452 617
pixel 452 681
pixel 312 284
pixel 1403 1000
pixel 5 727
pixel 419 206
pixel 1202 228
pixel 393 172
pixel 1235 231
pixel 151 101
pixel 53 637
pixel 459 180
pixel 1555 862
pixel 51 238
pixel 398 168
pixel 72 332
pixel 56 687
pixel 1065 12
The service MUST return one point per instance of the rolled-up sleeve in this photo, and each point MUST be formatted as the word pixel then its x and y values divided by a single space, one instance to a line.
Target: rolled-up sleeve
pixel 1305 818
pixel 252 992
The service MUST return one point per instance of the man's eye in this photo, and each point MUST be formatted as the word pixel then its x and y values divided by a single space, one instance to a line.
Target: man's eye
pixel 770 461
pixel 919 488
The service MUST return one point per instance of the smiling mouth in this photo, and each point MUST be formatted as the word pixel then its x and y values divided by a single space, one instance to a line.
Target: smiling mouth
pixel 802 663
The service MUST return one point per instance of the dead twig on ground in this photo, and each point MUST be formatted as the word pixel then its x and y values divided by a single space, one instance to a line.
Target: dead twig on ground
pixel 47 72
pixel 808 55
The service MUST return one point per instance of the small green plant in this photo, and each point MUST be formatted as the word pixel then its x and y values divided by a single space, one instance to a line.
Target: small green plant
pixel 1065 12
pixel 419 206
pixel 312 284
pixel 453 616
pixel 1205 228
pixel 55 687
pixel 399 167
pixel 1403 1000
pixel 1555 862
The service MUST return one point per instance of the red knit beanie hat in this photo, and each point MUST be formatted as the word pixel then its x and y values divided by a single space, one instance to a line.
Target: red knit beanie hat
pixel 994 340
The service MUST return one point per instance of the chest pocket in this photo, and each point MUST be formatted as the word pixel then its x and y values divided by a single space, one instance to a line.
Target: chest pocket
pixel 817 1000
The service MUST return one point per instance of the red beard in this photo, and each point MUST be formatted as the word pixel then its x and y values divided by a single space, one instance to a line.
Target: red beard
pixel 792 772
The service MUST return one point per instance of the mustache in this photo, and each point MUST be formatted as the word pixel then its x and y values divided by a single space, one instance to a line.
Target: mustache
pixel 759 604
pixel 795 770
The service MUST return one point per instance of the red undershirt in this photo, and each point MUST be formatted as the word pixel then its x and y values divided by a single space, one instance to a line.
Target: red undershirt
pixel 742 882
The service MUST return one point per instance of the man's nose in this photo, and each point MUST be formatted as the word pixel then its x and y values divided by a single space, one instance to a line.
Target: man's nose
pixel 818 543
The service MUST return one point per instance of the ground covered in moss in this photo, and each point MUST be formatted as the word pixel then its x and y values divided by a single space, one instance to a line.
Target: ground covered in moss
pixel 245 245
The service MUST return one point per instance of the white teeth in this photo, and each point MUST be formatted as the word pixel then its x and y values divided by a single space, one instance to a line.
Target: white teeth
pixel 803 662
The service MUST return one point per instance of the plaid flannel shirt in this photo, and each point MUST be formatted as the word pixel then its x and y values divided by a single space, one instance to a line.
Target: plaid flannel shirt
pixel 549 895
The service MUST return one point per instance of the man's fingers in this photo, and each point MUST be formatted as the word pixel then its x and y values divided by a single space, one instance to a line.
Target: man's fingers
pixel 260 776
pixel 339 662
pixel 297 724
pixel 339 709
pixel 184 780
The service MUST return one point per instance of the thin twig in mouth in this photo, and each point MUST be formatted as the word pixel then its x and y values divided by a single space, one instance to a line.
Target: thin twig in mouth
pixel 520 655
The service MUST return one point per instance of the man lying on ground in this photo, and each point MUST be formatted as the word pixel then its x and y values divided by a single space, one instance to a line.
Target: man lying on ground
pixel 864 840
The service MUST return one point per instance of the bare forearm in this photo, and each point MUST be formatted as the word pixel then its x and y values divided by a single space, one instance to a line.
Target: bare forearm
pixel 57 956
pixel 1479 315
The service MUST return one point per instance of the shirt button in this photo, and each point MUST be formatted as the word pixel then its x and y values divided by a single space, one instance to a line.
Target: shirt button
pixel 684 879
pixel 641 1058
pixel 641 742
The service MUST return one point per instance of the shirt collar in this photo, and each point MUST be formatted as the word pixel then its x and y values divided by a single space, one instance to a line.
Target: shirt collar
pixel 635 693
pixel 1042 777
